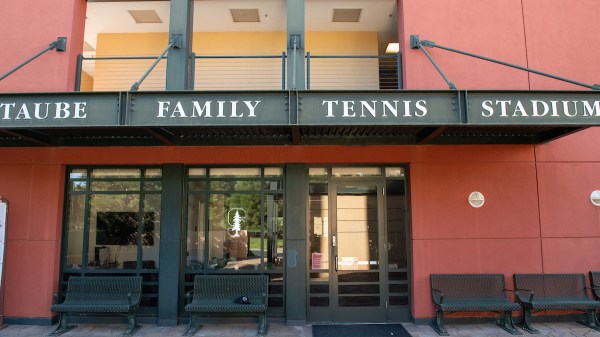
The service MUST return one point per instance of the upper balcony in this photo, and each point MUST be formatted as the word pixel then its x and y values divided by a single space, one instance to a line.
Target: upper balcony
pixel 242 45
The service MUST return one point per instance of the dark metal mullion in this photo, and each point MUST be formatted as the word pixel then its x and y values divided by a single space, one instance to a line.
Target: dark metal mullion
pixel 140 229
pixel 262 221
pixel 86 224
pixel 207 194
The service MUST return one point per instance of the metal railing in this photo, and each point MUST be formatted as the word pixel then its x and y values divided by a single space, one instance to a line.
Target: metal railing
pixel 360 72
pixel 248 72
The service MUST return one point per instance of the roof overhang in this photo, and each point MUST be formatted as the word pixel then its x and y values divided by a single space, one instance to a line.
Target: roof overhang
pixel 193 118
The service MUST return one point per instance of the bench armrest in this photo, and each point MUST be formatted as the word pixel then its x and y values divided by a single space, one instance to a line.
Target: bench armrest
pixel 437 296
pixel 59 297
pixel 189 296
pixel 531 294
pixel 130 297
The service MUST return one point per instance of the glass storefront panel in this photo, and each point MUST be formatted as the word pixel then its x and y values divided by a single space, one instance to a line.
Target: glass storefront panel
pixel 234 228
pixel 113 225
pixel 151 235
pixel 75 231
pixel 113 232
pixel 235 224
pixel 196 217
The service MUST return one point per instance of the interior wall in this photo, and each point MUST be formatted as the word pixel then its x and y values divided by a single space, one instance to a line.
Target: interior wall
pixel 239 73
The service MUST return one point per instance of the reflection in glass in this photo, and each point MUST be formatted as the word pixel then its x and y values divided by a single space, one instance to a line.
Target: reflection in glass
pixel 76 213
pixel 195 232
pixel 358 237
pixel 151 248
pixel 356 171
pixel 234 231
pixel 273 235
pixel 115 173
pixel 113 229
pixel 396 225
pixel 319 226
pixel 238 223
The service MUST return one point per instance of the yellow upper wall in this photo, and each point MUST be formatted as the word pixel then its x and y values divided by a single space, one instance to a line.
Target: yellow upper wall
pixel 341 43
pixel 238 43
pixel 238 74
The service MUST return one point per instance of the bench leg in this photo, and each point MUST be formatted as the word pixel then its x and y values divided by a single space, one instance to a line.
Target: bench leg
pixel 193 326
pixel 262 325
pixel 525 322
pixel 62 325
pixel 132 326
pixel 591 320
pixel 507 324
pixel 438 324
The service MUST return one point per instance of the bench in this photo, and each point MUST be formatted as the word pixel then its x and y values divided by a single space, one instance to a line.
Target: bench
pixel 554 292
pixel 471 292
pixel 99 294
pixel 219 294
pixel 595 281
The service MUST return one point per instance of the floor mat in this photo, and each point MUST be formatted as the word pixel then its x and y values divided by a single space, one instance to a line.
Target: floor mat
pixel 360 330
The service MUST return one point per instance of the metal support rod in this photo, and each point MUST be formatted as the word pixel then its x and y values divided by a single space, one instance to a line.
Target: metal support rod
pixel 60 45
pixel 307 70
pixel 417 44
pixel 193 71
pixel 399 69
pixel 78 72
pixel 282 70
pixel 137 84
pixel 431 44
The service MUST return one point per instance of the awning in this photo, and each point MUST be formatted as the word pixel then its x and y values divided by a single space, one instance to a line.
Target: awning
pixel 190 118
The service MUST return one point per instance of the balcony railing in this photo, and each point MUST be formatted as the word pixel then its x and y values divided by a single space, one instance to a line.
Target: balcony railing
pixel 257 72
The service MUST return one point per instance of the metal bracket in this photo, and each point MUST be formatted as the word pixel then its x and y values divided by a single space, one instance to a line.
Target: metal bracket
pixel 295 42
pixel 60 44
pixel 177 40
pixel 416 43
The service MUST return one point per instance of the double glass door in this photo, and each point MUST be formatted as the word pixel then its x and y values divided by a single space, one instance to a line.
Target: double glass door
pixel 349 267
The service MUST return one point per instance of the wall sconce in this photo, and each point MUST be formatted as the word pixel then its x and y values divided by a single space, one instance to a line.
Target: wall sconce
pixel 476 199
pixel 595 197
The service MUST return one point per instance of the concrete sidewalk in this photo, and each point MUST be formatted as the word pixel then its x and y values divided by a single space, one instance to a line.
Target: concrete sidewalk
pixel 282 330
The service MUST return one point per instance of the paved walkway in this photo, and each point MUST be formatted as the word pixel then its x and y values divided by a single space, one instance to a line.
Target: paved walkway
pixel 283 330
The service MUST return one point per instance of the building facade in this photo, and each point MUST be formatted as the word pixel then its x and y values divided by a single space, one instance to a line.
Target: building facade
pixel 277 137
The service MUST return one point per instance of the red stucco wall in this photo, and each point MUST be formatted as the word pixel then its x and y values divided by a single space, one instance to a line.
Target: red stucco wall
pixel 28 27
pixel 537 216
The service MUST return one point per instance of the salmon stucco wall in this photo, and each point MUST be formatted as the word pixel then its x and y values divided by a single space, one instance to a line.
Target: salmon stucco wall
pixel 28 28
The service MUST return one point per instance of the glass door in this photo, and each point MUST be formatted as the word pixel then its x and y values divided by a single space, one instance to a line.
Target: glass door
pixel 358 280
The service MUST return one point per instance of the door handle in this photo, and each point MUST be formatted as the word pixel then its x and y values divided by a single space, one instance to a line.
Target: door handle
pixel 336 263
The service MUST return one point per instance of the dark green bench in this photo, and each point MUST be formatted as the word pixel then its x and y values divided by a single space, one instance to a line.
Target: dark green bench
pixel 469 293
pixel 595 280
pixel 536 292
pixel 218 294
pixel 99 294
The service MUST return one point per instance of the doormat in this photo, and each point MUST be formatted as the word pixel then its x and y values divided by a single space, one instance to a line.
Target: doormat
pixel 359 330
